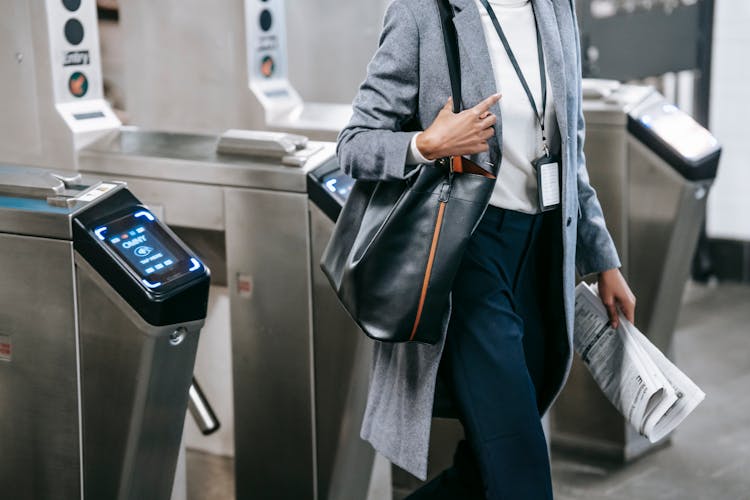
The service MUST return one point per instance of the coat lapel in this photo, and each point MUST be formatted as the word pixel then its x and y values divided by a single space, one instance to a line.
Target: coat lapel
pixel 473 47
pixel 477 77
pixel 552 45
pixel 477 74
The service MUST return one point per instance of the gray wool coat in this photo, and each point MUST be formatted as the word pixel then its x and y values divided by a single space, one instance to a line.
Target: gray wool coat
pixel 406 86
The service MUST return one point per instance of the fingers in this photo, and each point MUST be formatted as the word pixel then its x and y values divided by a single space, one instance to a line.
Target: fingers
pixel 614 320
pixel 486 133
pixel 487 120
pixel 448 108
pixel 480 147
pixel 485 105
pixel 468 131
pixel 611 307
pixel 627 306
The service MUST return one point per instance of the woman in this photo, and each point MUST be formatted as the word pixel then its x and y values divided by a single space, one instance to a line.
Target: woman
pixel 507 349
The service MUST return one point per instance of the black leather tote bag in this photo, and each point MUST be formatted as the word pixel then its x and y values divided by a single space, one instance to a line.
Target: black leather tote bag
pixel 397 245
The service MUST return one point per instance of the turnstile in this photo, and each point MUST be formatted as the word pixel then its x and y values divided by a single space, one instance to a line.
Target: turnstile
pixel 101 306
pixel 652 166
pixel 300 365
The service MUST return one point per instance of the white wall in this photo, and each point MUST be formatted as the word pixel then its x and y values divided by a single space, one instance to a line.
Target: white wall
pixel 729 202
pixel 330 44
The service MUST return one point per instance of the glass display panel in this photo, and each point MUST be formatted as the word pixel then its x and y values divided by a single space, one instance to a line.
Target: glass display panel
pixel 338 184
pixel 146 248
pixel 679 131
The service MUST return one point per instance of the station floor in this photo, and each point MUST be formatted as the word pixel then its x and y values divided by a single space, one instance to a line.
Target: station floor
pixel 709 457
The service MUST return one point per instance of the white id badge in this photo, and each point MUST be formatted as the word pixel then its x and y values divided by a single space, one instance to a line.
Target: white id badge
pixel 548 183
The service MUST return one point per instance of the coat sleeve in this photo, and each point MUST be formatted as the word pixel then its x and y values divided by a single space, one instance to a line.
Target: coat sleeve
pixel 373 145
pixel 595 250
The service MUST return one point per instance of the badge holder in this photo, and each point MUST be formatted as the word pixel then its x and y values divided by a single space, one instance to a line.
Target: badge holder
pixel 548 169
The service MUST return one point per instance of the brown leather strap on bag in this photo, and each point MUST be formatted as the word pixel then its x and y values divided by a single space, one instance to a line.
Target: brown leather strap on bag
pixel 463 165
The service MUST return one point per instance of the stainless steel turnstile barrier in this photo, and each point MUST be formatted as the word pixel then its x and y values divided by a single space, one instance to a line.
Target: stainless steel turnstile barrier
pixel 300 365
pixel 652 166
pixel 100 312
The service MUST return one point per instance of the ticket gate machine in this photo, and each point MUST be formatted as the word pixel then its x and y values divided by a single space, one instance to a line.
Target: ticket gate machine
pixel 101 306
pixel 652 166
pixel 300 365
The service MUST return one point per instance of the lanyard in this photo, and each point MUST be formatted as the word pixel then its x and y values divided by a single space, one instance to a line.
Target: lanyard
pixel 542 72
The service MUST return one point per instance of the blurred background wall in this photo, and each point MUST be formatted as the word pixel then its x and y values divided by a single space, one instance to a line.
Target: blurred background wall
pixel 728 223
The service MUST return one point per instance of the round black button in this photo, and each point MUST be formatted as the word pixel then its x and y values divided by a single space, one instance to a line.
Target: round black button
pixel 78 84
pixel 266 20
pixel 74 31
pixel 72 5
pixel 569 221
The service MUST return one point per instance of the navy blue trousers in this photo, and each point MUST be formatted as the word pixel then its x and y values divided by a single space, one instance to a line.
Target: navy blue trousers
pixel 494 361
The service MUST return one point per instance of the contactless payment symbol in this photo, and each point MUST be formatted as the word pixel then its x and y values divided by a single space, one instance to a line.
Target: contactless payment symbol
pixel 78 84
pixel 143 251
pixel 267 66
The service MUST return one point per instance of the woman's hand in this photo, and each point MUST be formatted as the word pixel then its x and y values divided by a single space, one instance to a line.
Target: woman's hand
pixel 615 293
pixel 458 134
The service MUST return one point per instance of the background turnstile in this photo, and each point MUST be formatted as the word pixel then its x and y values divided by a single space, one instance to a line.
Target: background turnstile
pixel 51 89
pixel 228 64
pixel 100 312
pixel 300 366
pixel 652 166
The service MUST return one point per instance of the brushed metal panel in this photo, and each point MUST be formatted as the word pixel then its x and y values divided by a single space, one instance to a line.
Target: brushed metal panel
pixel 178 203
pixel 666 215
pixel 134 394
pixel 343 360
pixel 267 244
pixel 606 161
pixel 193 158
pixel 36 218
pixel 39 422
pixel 29 213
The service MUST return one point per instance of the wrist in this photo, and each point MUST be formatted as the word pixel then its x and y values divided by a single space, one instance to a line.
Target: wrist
pixel 609 272
pixel 424 145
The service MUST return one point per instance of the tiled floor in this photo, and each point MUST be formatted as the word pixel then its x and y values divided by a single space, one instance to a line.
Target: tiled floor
pixel 709 458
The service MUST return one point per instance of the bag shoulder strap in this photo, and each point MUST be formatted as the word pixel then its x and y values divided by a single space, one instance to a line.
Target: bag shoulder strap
pixel 450 40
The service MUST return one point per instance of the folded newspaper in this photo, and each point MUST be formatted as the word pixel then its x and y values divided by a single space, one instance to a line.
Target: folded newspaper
pixel 648 389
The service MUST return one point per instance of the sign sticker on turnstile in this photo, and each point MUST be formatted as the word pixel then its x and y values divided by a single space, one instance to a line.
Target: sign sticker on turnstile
pixel 244 285
pixel 6 348
pixel 96 192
